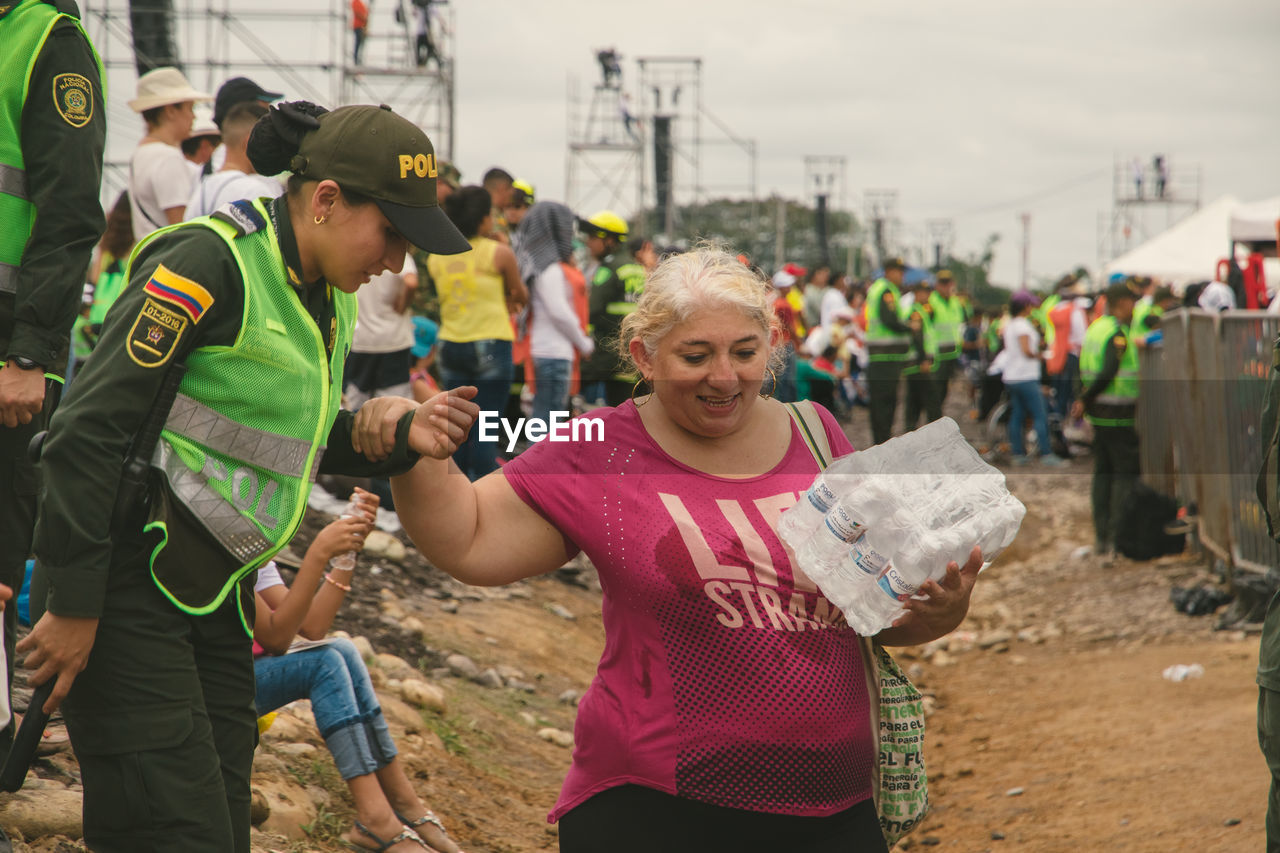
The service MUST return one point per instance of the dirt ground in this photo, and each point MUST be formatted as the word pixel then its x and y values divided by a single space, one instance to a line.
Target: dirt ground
pixel 1052 727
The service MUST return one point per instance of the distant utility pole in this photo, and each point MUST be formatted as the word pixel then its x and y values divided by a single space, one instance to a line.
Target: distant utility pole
pixel 780 233
pixel 1026 249
pixel 941 234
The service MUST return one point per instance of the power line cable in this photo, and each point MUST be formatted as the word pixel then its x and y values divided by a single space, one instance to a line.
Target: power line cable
pixel 1033 197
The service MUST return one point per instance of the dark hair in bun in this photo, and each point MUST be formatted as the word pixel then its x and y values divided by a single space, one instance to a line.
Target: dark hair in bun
pixel 467 208
pixel 277 136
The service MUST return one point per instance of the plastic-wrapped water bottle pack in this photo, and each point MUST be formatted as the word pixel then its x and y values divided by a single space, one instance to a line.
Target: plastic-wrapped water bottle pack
pixel 876 524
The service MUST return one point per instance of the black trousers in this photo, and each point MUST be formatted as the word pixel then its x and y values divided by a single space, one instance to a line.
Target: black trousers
pixel 162 719
pixel 635 819
pixel 882 388
pixel 1116 466
pixel 19 486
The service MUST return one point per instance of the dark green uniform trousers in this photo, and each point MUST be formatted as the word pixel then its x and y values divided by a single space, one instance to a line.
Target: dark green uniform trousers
pixel 943 370
pixel 1116 466
pixel 162 720
pixel 882 389
pixel 19 485
pixel 1269 740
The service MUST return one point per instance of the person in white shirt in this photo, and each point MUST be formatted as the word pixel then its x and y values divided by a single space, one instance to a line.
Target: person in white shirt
pixel 1217 296
pixel 237 178
pixel 557 332
pixel 1023 344
pixel 159 176
pixel 835 300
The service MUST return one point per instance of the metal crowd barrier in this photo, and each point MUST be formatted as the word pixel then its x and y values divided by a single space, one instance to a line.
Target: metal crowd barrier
pixel 1199 417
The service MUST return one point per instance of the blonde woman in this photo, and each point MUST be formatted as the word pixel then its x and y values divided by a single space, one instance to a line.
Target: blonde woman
pixel 729 710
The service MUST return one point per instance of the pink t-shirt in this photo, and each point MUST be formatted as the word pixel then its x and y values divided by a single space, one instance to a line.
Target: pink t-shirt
pixel 726 677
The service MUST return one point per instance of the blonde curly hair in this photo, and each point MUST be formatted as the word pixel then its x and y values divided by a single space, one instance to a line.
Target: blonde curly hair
pixel 682 284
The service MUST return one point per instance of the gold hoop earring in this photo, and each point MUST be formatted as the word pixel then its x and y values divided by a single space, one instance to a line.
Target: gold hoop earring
pixel 320 220
pixel 773 385
pixel 635 388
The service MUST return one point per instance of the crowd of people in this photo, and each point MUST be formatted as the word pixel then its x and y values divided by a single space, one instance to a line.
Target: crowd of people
pixel 287 290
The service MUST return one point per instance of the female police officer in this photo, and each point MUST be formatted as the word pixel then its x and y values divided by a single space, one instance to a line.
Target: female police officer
pixel 257 302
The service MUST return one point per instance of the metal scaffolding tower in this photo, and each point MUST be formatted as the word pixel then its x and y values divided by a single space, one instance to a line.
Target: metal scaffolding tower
pixel 1147 197
pixel 880 207
pixel 824 176
pixel 305 53
pixel 605 154
pixel 647 153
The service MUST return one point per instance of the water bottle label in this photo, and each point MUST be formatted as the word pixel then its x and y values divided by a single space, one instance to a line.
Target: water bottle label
pixel 867 559
pixel 842 525
pixel 895 585
pixel 820 496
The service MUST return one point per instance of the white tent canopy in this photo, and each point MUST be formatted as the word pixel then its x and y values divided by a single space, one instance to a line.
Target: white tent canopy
pixel 1187 252
pixel 1256 222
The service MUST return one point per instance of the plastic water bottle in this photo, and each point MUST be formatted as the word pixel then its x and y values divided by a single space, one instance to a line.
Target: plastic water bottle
pixel 831 539
pixel 800 521
pixel 348 560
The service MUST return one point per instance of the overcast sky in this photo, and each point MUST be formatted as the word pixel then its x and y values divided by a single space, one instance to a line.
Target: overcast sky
pixel 974 111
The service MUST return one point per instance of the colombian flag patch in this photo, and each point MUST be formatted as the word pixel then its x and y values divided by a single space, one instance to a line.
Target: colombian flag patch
pixel 167 285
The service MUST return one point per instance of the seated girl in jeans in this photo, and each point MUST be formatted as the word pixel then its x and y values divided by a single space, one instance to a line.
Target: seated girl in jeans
pixel 389 814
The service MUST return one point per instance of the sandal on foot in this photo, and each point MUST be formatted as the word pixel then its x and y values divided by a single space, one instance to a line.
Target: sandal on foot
pixel 406 834
pixel 429 817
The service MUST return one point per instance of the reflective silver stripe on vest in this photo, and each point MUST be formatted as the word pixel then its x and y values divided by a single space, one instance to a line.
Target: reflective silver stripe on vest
pixel 1115 400
pixel 13 181
pixel 8 278
pixel 266 450
pixel 236 533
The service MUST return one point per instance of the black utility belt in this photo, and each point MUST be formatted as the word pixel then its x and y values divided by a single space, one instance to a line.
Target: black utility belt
pixel 1113 411
pixel 889 349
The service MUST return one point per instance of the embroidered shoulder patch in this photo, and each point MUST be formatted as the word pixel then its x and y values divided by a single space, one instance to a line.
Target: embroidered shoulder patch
pixel 155 333
pixel 242 216
pixel 73 98
pixel 166 285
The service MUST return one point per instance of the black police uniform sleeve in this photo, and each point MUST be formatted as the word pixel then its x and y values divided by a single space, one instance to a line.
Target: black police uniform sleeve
pixel 64 172
pixel 1110 367
pixel 607 290
pixel 340 458
pixel 889 316
pixel 108 401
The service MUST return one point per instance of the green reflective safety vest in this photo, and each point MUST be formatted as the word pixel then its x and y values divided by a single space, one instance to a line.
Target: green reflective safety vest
pixel 1039 318
pixel 1117 403
pixel 107 290
pixel 242 443
pixel 632 276
pixel 948 325
pixel 23 33
pixel 884 344
pixel 929 336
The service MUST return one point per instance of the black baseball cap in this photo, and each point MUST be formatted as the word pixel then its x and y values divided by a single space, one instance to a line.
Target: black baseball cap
pixel 372 151
pixel 894 264
pixel 1118 291
pixel 237 90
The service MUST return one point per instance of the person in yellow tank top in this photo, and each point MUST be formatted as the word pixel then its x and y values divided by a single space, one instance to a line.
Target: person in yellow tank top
pixel 478 290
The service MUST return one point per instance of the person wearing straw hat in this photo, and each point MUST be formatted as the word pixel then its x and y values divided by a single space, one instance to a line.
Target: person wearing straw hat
pixel 143 604
pixel 52 133
pixel 160 177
